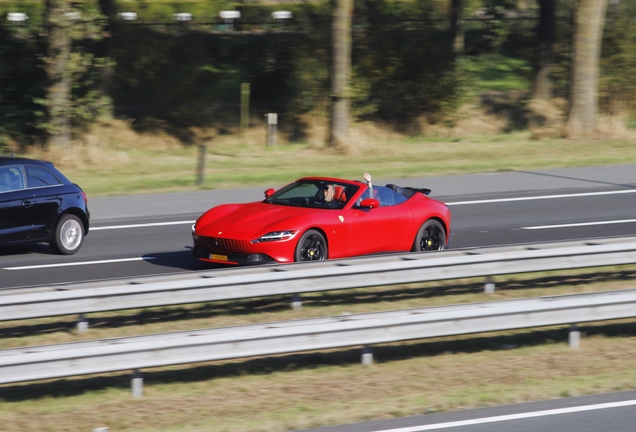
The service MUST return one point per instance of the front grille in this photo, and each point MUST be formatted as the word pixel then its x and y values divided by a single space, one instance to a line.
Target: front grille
pixel 221 245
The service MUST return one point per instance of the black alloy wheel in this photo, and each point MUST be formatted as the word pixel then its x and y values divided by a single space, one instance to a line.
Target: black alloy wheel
pixel 431 236
pixel 311 247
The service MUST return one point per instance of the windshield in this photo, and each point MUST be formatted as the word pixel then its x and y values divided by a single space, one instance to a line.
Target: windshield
pixel 314 194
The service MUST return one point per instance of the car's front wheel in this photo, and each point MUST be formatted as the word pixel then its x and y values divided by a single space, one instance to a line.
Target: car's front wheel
pixel 431 236
pixel 68 236
pixel 311 247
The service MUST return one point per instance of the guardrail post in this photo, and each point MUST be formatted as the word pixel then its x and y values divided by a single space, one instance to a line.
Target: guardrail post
pixel 575 336
pixel 297 303
pixel 82 324
pixel 489 288
pixel 367 355
pixel 137 384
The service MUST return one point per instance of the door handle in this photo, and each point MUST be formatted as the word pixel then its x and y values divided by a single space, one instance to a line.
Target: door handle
pixel 27 204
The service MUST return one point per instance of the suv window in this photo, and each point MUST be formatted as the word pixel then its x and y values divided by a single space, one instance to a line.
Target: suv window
pixel 11 178
pixel 39 177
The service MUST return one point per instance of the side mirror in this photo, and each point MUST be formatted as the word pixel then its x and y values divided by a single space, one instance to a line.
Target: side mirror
pixel 370 203
pixel 269 192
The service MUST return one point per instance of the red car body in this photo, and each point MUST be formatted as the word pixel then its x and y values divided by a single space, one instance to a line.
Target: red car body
pixel 295 223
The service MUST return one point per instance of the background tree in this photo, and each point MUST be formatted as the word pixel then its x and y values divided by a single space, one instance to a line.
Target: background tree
pixel 72 69
pixel 588 33
pixel 58 56
pixel 108 9
pixel 542 86
pixel 617 89
pixel 22 83
pixel 340 74
pixel 456 27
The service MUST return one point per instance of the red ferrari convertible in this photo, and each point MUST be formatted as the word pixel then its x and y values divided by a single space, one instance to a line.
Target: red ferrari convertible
pixel 316 218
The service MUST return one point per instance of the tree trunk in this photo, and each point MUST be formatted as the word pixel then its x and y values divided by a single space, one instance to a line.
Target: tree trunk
pixel 107 8
pixel 340 74
pixel 588 35
pixel 456 26
pixel 542 88
pixel 59 89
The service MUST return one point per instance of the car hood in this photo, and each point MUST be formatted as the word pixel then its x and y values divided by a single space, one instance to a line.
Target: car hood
pixel 251 220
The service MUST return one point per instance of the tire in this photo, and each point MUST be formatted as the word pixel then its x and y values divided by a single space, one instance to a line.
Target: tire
pixel 311 247
pixel 430 236
pixel 68 236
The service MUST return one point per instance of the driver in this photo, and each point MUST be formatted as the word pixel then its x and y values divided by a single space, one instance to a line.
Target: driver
pixel 328 193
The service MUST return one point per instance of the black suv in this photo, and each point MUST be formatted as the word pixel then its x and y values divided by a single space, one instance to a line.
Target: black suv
pixel 38 204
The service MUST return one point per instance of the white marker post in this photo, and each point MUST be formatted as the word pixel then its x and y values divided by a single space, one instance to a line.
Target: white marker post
pixel 272 126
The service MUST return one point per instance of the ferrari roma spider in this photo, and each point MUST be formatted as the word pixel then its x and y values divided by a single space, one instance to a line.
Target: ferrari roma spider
pixel 318 218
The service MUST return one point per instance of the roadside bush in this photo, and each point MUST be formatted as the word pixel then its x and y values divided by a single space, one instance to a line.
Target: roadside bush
pixel 22 81
pixel 617 92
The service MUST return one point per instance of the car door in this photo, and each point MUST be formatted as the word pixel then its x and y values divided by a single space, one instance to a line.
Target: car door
pixel 380 229
pixel 16 213
pixel 47 199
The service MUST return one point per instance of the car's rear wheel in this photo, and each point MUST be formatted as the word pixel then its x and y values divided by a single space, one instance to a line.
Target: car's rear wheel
pixel 431 236
pixel 68 236
pixel 311 247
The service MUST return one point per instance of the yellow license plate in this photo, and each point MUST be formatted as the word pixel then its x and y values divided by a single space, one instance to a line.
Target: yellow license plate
pixel 218 257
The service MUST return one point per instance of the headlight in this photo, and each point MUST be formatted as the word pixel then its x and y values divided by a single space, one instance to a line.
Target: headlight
pixel 194 227
pixel 276 236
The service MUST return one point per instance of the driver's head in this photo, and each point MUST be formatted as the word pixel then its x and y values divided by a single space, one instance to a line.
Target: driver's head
pixel 329 192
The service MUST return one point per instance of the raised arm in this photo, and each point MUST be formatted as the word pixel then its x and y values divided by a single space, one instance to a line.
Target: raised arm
pixel 367 177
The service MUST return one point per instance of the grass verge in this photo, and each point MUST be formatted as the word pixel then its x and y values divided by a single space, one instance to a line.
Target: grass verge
pixel 115 161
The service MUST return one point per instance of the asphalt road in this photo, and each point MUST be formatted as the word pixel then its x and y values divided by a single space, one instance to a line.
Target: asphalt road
pixel 141 235
pixel 613 412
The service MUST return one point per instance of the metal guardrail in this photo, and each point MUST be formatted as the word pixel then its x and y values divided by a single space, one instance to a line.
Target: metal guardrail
pixel 292 279
pixel 133 353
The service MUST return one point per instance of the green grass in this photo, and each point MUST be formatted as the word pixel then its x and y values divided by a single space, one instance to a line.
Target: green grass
pixel 131 166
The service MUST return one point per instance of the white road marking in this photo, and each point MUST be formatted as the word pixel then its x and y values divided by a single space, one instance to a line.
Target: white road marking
pixel 511 417
pixel 113 227
pixel 541 197
pixel 581 224
pixel 81 263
